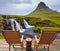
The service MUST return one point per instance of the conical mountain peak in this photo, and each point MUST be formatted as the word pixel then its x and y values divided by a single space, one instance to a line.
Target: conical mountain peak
pixel 42 5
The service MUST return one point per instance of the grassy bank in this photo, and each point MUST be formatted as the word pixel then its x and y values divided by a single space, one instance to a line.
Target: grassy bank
pixel 38 28
pixel 1 36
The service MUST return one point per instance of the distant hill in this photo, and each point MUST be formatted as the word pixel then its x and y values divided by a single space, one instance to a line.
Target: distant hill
pixel 44 12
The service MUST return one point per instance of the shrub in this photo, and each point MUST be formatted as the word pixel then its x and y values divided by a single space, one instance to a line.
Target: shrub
pixel 37 29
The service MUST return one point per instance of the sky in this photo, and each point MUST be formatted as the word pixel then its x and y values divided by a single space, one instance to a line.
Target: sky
pixel 25 7
pixel 53 4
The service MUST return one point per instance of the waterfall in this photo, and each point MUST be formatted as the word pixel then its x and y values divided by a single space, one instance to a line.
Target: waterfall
pixel 19 27
pixel 12 24
pixel 27 32
pixel 27 25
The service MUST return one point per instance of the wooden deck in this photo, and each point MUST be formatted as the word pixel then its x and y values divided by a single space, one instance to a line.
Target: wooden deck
pixel 54 47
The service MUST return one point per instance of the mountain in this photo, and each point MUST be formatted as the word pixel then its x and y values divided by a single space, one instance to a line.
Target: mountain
pixel 43 9
pixel 41 5
pixel 44 12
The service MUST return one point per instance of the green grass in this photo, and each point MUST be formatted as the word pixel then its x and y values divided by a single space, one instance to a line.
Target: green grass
pixel 46 14
pixel 38 28
pixel 52 17
pixel 50 28
pixel 1 36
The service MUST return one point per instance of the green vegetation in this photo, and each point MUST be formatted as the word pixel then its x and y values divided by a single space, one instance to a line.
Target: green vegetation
pixel 38 28
pixel 1 19
pixel 1 36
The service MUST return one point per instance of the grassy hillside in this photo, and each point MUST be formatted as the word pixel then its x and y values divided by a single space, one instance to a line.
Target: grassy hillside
pixel 45 13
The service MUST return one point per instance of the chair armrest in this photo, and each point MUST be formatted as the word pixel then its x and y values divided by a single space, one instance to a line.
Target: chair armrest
pixel 36 38
pixel 22 38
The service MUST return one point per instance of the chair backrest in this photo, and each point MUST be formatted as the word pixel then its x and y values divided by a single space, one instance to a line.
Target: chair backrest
pixel 11 36
pixel 47 36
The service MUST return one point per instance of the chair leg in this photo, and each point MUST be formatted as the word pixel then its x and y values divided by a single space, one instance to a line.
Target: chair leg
pixel 22 46
pixel 48 48
pixel 44 47
pixel 9 47
pixel 14 48
pixel 35 47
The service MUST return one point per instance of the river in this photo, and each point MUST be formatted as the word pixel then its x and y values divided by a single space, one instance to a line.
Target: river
pixel 30 33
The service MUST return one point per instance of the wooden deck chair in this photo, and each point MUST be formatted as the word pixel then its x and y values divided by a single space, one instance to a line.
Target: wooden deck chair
pixel 13 38
pixel 46 38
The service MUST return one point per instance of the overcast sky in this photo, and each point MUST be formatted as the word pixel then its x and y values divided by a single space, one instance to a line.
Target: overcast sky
pixel 24 7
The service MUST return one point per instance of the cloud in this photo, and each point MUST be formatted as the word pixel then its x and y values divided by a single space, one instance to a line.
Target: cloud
pixel 15 1
pixel 24 7
pixel 13 8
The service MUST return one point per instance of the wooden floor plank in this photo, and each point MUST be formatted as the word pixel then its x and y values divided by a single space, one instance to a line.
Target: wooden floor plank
pixel 54 47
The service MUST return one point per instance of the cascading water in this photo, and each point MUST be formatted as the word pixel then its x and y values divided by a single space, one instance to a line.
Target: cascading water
pixel 12 24
pixel 19 27
pixel 27 32
pixel 27 25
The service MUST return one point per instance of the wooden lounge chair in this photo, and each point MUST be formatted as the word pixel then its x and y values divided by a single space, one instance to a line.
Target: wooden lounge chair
pixel 13 38
pixel 46 38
